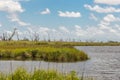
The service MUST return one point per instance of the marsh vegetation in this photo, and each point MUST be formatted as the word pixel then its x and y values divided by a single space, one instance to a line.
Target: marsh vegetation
pixel 47 51
pixel 22 74
pixel 55 52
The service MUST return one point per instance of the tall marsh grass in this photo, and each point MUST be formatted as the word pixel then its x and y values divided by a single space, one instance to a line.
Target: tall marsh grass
pixel 22 74
pixel 47 52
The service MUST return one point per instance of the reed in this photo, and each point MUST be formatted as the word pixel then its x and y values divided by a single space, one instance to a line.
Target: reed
pixel 22 74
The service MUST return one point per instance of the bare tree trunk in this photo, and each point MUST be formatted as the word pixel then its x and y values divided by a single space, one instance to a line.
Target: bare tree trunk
pixel 12 34
pixel 48 37
pixel 3 37
pixel 36 36
pixel 18 36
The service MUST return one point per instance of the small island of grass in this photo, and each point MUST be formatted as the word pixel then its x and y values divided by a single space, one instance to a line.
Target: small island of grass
pixel 20 50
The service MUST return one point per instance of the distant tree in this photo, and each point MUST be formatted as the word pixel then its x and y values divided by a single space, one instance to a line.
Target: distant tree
pixel 3 37
pixel 48 36
pixel 17 35
pixel 13 33
pixel 7 37
pixel 36 36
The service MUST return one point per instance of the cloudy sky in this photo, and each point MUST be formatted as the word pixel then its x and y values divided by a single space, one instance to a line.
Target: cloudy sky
pixel 91 20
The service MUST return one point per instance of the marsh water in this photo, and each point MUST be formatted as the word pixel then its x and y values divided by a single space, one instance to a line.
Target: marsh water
pixel 104 64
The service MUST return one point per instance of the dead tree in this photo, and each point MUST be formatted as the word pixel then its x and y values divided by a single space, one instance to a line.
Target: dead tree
pixel 17 33
pixel 3 37
pixel 36 36
pixel 48 37
pixel 30 34
pixel 10 38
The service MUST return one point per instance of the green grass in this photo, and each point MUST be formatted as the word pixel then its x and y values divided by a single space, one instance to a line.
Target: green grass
pixel 57 43
pixel 47 51
pixel 22 74
pixel 55 52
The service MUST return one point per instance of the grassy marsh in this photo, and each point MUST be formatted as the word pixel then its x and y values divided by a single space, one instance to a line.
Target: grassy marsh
pixel 47 51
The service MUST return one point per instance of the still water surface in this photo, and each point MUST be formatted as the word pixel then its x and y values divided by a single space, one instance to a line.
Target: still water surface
pixel 104 63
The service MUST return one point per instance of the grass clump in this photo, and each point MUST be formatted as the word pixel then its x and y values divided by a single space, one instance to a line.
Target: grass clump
pixel 47 51
pixel 63 54
pixel 22 74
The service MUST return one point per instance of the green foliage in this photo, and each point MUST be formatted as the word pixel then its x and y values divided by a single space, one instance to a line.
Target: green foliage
pixel 53 51
pixel 22 74
pixel 45 53
pixel 19 74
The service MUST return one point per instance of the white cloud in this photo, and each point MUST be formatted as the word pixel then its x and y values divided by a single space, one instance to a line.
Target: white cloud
pixel 46 11
pixel 109 30
pixel 22 0
pixel 87 32
pixel 106 26
pixel 108 19
pixel 0 25
pixel 92 16
pixel 44 30
pixel 100 32
pixel 105 30
pixel 64 29
pixel 99 9
pixel 117 26
pixel 10 6
pixel 69 14
pixel 111 18
pixel 109 2
pixel 79 31
pixel 15 18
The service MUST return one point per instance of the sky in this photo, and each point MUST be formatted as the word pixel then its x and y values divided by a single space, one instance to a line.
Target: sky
pixel 80 20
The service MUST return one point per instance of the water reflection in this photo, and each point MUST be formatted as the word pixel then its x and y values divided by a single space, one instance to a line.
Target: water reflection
pixel 5 66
